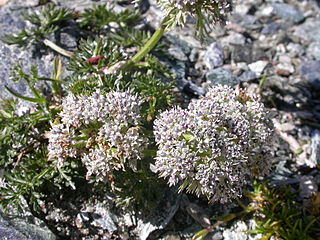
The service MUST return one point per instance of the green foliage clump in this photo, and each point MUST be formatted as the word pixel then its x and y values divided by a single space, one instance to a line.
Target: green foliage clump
pixel 102 18
pixel 100 63
pixel 277 213
pixel 44 22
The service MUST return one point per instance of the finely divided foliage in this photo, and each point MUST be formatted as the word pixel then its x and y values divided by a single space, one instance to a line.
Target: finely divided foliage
pixel 103 130
pixel 206 12
pixel 214 145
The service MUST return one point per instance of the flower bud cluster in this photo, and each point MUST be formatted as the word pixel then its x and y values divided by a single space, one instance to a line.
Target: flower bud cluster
pixel 214 145
pixel 101 129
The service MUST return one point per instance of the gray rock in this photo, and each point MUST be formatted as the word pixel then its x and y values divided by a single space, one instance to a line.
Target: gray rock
pixel 198 214
pixel 177 53
pixel 258 67
pixel 285 66
pixel 248 76
pixel 315 148
pixel 23 227
pixel 260 53
pixel 295 50
pixel 307 31
pixel 310 71
pixel 287 12
pixel 162 215
pixel 80 5
pixel 13 55
pixel 177 42
pixel 234 39
pixel 313 51
pixel 308 187
pixel 10 20
pixel 190 88
pixel 245 20
pixel 104 218
pixel 270 28
pixel 25 3
pixel 67 37
pixel 220 76
pixel 242 53
pixel 8 232
pixel 178 69
pixel 214 56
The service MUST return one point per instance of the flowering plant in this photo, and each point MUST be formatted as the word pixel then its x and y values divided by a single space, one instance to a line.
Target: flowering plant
pixel 99 129
pixel 205 12
pixel 214 145
pixel 103 130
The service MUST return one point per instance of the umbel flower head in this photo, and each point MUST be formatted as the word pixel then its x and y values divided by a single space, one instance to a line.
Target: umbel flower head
pixel 206 12
pixel 214 145
pixel 103 130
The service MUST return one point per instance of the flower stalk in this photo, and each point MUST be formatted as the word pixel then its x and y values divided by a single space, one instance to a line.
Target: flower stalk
pixel 56 48
pixel 149 45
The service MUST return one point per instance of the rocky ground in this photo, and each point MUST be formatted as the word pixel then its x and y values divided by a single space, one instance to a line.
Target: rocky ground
pixel 271 47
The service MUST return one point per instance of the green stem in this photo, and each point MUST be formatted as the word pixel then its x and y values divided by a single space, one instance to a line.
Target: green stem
pixel 150 44
pixel 58 49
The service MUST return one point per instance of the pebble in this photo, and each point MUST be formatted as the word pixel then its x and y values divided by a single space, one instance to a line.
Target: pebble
pixel 242 53
pixel 234 39
pixel 214 56
pixel 313 51
pixel 308 30
pixel 310 71
pixel 287 12
pixel 270 28
pixel 295 49
pixel 315 148
pixel 248 76
pixel 308 187
pixel 177 53
pixel 258 67
pixel 284 68
pixel 220 76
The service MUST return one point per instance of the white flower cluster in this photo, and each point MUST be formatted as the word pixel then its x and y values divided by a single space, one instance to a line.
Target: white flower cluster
pixel 214 145
pixel 178 10
pixel 103 129
pixel 121 107
pixel 60 143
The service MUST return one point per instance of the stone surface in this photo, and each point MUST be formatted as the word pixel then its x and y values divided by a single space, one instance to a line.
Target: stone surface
pixel 258 67
pixel 242 53
pixel 214 56
pixel 287 12
pixel 23 227
pixel 285 67
pixel 161 216
pixel 310 71
pixel 307 31
pixel 313 51
pixel 220 76
pixel 308 187
pixel 270 28
pixel 247 76
pixel 8 232
pixel 234 39
pixel 295 49
pixel 315 148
